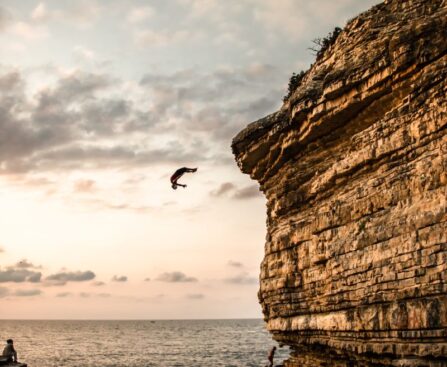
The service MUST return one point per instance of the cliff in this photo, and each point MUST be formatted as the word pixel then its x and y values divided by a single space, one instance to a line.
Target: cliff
pixel 354 169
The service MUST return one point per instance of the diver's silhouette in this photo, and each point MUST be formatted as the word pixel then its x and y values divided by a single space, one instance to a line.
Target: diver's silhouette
pixel 179 173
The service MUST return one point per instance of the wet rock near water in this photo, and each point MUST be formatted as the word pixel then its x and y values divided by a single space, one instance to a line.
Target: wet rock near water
pixel 354 169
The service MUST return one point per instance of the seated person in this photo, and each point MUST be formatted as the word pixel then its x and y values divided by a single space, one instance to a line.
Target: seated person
pixel 9 352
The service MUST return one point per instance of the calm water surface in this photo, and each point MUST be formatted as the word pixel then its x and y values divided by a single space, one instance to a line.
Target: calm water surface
pixel 241 343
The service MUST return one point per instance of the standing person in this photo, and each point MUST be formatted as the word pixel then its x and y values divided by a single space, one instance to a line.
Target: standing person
pixel 9 352
pixel 271 356
pixel 179 173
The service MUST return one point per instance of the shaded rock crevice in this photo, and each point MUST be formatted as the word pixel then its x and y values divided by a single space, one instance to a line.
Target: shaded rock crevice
pixel 354 169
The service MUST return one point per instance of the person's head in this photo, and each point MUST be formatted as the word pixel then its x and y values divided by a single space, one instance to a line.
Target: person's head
pixel 174 186
pixel 274 348
pixel 9 341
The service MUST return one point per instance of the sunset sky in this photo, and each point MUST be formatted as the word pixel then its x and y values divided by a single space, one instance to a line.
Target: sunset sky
pixel 100 101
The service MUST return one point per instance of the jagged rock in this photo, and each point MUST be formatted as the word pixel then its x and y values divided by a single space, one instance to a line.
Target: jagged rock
pixel 354 169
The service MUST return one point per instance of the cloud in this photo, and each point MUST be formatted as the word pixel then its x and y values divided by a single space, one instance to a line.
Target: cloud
pixel 228 189
pixel 28 31
pixel 282 17
pixel 2 250
pixel 19 276
pixel 98 284
pixel 248 192
pixel 82 13
pixel 5 18
pixel 242 279
pixel 62 278
pixel 201 8
pixel 260 70
pixel 40 12
pixel 63 294
pixel 78 87
pixel 88 295
pixel 49 123
pixel 235 264
pixel 301 20
pixel 82 53
pixel 175 277
pixel 223 189
pixel 68 158
pixel 215 15
pixel 25 264
pixel 148 37
pixel 84 186
pixel 27 292
pixel 111 111
pixel 105 205
pixel 140 14
pixel 119 279
pixel 84 120
pixel 147 279
pixel 57 136
pixel 180 77
pixel 214 103
pixel 195 296
pixel 4 292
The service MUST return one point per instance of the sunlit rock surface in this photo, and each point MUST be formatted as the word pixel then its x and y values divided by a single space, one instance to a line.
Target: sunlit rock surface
pixel 354 169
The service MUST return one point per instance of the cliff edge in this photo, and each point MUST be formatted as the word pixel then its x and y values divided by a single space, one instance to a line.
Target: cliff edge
pixel 354 169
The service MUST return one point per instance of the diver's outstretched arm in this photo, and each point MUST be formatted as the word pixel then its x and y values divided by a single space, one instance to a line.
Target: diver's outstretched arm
pixel 181 185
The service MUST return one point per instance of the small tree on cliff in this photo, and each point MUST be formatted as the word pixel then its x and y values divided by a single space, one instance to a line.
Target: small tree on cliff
pixel 322 44
pixel 294 83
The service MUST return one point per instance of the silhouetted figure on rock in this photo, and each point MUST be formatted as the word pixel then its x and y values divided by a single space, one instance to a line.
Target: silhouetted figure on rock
pixel 271 356
pixel 179 173
pixel 9 353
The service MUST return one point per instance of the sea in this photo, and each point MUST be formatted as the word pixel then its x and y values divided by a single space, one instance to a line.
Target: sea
pixel 166 343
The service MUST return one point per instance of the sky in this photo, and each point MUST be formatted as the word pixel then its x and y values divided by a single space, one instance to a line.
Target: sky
pixel 100 102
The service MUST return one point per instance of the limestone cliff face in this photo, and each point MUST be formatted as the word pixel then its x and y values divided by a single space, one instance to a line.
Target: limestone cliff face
pixel 354 168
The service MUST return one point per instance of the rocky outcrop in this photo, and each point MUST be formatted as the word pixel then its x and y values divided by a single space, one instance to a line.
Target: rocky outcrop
pixel 354 169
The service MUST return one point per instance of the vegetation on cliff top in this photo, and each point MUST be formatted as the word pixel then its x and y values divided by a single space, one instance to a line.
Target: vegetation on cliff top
pixel 320 46
pixel 294 83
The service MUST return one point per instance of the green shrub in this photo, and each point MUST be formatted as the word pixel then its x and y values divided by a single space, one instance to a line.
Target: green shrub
pixel 322 44
pixel 294 83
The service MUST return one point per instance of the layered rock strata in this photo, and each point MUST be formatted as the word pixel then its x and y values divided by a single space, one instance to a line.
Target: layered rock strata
pixel 354 169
